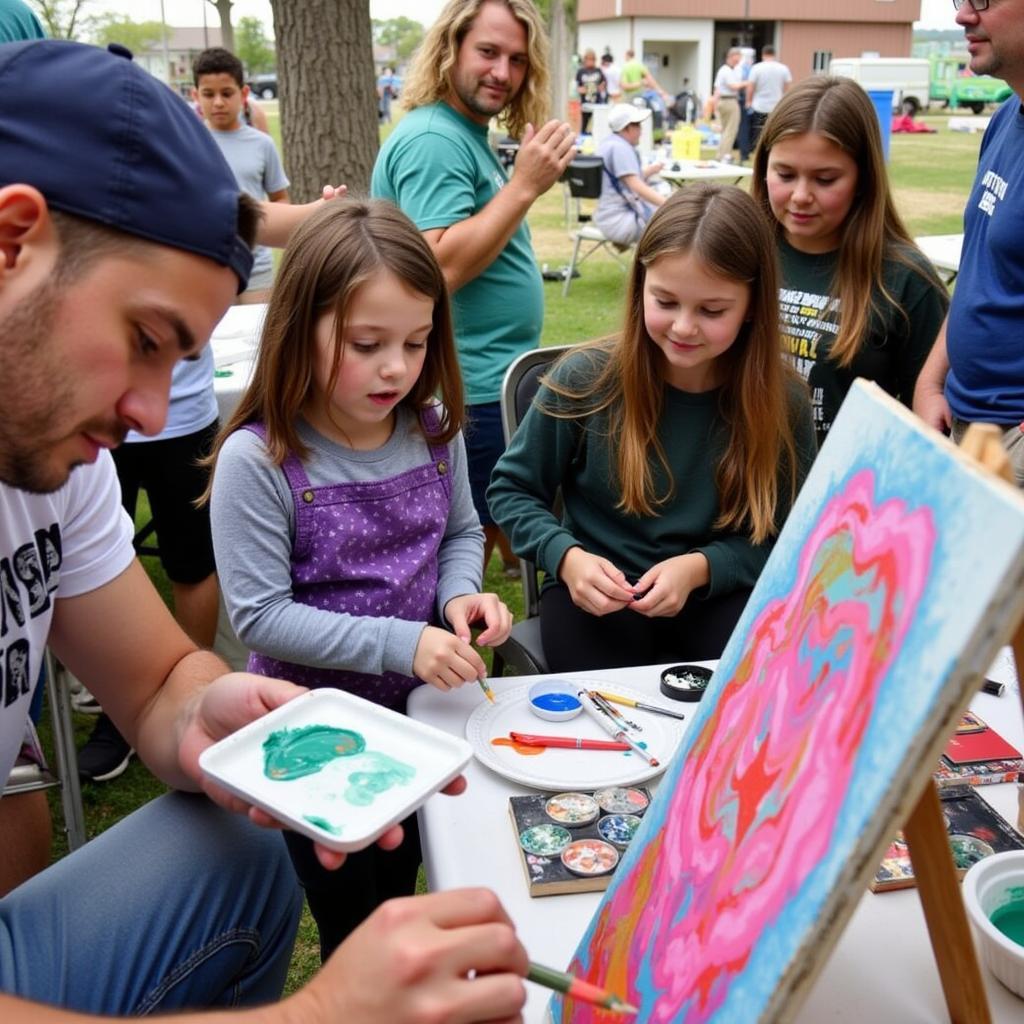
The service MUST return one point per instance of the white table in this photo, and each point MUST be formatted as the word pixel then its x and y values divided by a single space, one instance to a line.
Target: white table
pixel 234 342
pixel 944 253
pixel 881 970
pixel 702 170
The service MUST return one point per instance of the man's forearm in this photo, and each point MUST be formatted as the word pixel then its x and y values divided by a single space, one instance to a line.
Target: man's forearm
pixel 929 392
pixel 163 720
pixel 640 188
pixel 933 373
pixel 467 248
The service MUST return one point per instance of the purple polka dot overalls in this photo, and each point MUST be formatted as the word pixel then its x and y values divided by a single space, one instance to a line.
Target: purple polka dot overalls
pixel 366 548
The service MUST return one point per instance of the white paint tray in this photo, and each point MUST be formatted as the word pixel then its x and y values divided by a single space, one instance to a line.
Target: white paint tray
pixel 343 800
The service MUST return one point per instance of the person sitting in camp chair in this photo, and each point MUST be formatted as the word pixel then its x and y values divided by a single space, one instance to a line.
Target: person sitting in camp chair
pixel 627 198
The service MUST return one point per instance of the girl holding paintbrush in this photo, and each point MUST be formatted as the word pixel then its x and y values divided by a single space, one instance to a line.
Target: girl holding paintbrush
pixel 677 448
pixel 345 535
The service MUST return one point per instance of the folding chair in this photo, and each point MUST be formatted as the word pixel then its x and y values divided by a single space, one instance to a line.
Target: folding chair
pixel 582 179
pixel 31 777
pixel 523 652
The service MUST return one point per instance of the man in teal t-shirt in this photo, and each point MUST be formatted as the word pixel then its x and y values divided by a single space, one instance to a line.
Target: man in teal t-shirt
pixel 438 167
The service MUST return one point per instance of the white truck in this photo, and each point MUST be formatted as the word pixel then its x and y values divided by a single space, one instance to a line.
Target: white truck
pixel 908 78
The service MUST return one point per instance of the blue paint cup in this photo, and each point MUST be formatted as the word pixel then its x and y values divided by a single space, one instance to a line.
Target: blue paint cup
pixel 555 700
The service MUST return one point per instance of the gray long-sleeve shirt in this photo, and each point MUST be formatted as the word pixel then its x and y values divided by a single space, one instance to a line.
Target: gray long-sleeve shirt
pixel 253 519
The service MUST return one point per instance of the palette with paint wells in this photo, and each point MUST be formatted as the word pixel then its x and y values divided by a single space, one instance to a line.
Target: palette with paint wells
pixel 335 767
pixel 572 842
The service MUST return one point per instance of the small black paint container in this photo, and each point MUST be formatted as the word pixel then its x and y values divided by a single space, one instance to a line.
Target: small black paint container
pixel 685 682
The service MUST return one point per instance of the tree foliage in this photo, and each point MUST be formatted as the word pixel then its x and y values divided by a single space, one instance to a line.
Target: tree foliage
pixel 62 19
pixel 252 47
pixel 136 35
pixel 403 34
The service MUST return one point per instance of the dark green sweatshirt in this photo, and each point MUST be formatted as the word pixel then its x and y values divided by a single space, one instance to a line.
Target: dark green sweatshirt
pixel 578 455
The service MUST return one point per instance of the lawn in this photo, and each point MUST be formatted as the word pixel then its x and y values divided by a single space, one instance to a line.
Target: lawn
pixel 931 177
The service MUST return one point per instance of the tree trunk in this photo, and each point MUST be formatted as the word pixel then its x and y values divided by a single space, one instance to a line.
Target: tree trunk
pixel 559 43
pixel 227 31
pixel 328 93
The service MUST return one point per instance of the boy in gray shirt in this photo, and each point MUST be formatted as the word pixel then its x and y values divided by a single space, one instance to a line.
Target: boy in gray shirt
pixel 221 94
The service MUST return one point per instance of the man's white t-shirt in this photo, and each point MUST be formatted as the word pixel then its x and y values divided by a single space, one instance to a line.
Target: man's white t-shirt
pixel 728 80
pixel 77 538
pixel 770 78
pixel 611 79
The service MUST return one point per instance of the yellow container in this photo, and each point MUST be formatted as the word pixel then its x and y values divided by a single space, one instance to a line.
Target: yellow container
pixel 686 143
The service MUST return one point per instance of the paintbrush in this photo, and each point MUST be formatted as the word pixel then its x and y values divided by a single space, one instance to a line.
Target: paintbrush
pixel 628 702
pixel 567 742
pixel 485 686
pixel 614 712
pixel 612 727
pixel 577 988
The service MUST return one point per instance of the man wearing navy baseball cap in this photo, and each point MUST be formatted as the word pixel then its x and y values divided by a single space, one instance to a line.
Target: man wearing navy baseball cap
pixel 123 239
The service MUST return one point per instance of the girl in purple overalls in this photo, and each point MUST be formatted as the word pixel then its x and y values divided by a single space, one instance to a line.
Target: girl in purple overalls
pixel 343 525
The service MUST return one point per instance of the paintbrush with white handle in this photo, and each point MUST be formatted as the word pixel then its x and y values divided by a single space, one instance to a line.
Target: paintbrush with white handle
pixel 613 729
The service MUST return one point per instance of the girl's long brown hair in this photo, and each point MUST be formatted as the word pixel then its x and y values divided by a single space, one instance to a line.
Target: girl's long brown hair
pixel 838 109
pixel 724 228
pixel 328 258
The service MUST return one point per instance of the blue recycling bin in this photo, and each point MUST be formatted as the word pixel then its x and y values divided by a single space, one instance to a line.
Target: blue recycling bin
pixel 882 99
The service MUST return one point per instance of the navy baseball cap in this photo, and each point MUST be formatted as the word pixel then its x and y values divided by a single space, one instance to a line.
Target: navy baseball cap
pixel 102 139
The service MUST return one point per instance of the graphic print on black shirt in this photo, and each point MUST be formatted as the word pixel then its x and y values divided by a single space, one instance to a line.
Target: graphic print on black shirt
pixel 809 324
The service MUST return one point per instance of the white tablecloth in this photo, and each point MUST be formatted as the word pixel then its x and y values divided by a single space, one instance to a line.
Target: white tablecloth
pixel 234 342
pixel 943 251
pixel 702 170
pixel 882 969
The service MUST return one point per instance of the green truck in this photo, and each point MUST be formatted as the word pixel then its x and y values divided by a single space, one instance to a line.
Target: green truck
pixel 953 85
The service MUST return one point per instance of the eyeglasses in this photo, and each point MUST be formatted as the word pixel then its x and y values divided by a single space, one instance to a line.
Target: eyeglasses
pixel 977 5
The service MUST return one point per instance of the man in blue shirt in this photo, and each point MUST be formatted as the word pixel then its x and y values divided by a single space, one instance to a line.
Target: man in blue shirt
pixel 975 372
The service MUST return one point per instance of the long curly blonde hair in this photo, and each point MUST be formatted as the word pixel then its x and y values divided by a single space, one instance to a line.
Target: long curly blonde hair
pixel 429 76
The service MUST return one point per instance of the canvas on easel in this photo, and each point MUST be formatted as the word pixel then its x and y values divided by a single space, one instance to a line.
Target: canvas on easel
pixel 895 581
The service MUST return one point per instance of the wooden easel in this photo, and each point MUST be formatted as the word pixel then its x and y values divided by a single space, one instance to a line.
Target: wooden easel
pixel 928 844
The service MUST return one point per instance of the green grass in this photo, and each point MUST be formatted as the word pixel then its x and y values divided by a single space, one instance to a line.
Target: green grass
pixel 931 177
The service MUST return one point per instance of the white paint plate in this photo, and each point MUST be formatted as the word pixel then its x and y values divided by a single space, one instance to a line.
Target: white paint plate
pixel 563 770
pixel 343 800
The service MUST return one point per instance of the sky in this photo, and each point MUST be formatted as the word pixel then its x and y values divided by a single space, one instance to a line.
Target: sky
pixel 934 13
pixel 190 12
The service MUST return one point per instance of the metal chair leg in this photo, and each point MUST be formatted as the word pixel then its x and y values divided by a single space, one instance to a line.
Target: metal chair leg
pixel 64 752
pixel 572 265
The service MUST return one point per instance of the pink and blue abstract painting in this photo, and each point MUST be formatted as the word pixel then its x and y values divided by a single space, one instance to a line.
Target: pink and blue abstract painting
pixel 892 585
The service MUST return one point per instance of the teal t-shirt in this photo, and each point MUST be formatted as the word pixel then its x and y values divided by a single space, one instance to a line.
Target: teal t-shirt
pixel 18 22
pixel 438 168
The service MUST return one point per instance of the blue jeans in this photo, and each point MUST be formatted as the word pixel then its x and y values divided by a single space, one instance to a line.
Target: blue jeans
pixel 181 905
pixel 485 443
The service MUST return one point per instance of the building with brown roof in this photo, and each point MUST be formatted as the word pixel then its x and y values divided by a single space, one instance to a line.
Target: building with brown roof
pixel 688 39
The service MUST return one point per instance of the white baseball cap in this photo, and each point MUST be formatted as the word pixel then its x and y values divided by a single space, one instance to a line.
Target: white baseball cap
pixel 625 113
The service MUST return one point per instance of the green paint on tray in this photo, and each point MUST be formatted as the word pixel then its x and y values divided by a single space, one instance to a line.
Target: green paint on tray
pixel 293 753
pixel 1009 918
pixel 377 775
pixel 323 823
